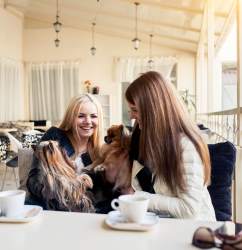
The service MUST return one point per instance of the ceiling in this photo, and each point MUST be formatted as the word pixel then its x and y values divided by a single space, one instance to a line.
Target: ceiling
pixel 174 23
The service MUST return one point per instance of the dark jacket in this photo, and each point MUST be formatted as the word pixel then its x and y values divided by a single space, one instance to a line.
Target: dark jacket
pixel 144 176
pixel 59 135
pixel 35 178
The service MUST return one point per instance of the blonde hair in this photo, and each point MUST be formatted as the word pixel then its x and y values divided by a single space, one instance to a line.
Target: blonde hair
pixel 72 112
pixel 163 120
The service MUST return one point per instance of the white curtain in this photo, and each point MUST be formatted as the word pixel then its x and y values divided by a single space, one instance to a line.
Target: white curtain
pixel 11 90
pixel 128 69
pixel 51 86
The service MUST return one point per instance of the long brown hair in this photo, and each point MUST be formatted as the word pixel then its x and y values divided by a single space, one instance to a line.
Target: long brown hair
pixel 61 182
pixel 72 112
pixel 163 121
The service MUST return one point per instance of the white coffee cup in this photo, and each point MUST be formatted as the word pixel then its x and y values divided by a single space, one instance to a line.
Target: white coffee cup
pixel 12 202
pixel 132 207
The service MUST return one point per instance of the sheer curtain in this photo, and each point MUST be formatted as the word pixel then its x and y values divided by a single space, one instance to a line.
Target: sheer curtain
pixel 51 86
pixel 11 90
pixel 127 69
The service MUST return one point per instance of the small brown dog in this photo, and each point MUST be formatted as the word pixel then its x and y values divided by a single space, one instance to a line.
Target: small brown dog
pixel 62 188
pixel 114 159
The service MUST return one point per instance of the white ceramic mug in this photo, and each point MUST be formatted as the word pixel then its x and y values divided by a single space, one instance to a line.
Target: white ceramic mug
pixel 12 202
pixel 132 207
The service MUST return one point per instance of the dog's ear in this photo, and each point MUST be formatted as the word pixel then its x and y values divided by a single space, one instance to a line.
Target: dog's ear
pixel 125 137
pixel 34 147
pixel 121 130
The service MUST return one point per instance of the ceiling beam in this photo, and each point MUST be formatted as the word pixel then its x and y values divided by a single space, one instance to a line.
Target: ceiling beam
pixel 113 32
pixel 170 7
pixel 143 33
pixel 14 11
pixel 147 22
pixel 227 27
pixel 203 29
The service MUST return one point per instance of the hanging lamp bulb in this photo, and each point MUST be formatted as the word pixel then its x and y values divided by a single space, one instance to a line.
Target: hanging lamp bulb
pixel 93 51
pixel 57 42
pixel 150 61
pixel 93 48
pixel 136 41
pixel 57 25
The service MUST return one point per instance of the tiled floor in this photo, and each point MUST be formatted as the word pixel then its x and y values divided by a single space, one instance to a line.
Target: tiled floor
pixel 10 182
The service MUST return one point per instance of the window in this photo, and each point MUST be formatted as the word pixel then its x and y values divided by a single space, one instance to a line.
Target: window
pixel 125 110
pixel 52 85
pixel 11 90
pixel 229 85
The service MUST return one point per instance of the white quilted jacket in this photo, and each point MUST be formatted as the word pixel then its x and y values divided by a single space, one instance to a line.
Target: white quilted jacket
pixel 195 203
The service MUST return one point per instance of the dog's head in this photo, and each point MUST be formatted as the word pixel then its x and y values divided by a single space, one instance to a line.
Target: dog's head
pixel 51 154
pixel 118 134
pixel 60 181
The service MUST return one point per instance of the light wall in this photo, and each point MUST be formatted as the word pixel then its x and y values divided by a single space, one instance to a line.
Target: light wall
pixel 75 44
pixel 11 45
pixel 11 35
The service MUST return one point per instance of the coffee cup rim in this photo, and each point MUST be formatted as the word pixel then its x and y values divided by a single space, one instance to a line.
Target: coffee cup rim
pixel 132 196
pixel 17 192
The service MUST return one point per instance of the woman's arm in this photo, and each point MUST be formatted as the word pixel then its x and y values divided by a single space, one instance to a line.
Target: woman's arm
pixel 189 203
pixel 35 181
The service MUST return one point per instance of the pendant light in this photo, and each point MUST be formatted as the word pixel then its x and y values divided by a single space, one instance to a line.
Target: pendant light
pixel 93 48
pixel 136 41
pixel 57 25
pixel 150 61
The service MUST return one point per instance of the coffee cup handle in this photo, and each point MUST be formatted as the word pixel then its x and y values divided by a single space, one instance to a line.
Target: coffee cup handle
pixel 115 204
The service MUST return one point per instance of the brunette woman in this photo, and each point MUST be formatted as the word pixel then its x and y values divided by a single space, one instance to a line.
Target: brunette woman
pixel 171 162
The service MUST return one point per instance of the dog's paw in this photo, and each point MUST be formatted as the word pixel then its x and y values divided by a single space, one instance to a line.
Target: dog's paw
pixel 99 168
pixel 86 180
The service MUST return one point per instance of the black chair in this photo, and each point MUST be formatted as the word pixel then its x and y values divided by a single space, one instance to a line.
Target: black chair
pixel 4 147
pixel 5 157
pixel 223 156
pixel 31 139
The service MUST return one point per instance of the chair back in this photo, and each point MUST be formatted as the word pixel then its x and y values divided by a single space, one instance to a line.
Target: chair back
pixel 31 139
pixel 25 158
pixel 223 157
pixel 4 147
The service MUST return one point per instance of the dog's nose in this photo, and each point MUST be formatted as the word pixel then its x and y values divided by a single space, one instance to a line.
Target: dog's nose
pixel 107 139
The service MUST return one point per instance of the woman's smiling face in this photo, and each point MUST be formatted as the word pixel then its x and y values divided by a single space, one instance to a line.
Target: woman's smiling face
pixel 134 113
pixel 87 120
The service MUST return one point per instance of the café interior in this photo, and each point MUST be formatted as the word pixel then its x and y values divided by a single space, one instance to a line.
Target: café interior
pixel 51 50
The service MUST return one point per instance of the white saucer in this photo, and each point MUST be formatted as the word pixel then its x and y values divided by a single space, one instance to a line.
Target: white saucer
pixel 29 214
pixel 116 221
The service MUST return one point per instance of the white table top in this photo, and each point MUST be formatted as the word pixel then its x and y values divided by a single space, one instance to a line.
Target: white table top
pixel 60 230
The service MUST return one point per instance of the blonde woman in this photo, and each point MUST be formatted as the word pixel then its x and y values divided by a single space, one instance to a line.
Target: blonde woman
pixel 79 134
pixel 80 131
pixel 171 162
